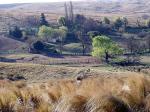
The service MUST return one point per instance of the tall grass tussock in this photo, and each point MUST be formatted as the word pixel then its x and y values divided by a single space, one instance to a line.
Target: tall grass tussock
pixel 123 93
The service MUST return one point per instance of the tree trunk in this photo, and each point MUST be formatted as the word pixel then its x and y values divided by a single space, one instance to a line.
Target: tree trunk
pixel 60 47
pixel 83 49
pixel 106 57
pixel 149 45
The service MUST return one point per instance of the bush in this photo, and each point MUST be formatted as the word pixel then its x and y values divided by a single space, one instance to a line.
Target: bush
pixel 38 46
pixel 43 48
pixel 16 32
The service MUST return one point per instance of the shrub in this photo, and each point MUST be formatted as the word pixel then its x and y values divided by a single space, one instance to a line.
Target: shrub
pixel 16 32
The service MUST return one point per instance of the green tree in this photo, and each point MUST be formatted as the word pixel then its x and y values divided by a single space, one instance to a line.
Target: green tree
pixel 125 22
pixel 46 33
pixel 118 23
pixel 16 32
pixel 92 34
pixel 148 43
pixel 83 41
pixel 106 20
pixel 138 22
pixel 103 46
pixel 43 20
pixel 61 34
pixel 62 21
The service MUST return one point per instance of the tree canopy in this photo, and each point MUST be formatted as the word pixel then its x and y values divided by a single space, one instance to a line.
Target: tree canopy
pixel 118 23
pixel 103 46
pixel 16 32
pixel 46 32
pixel 62 21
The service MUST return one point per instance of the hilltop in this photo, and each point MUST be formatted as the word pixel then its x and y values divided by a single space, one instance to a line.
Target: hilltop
pixel 138 8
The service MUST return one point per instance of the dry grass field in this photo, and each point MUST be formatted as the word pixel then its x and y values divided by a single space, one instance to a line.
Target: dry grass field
pixel 26 87
pixel 39 73
pixel 116 93
pixel 38 83
pixel 53 60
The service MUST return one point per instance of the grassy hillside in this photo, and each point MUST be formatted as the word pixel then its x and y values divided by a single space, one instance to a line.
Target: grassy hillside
pixel 10 45
pixel 95 9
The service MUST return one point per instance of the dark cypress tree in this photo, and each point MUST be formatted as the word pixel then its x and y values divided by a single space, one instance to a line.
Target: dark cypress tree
pixel 118 23
pixel 43 20
pixel 16 32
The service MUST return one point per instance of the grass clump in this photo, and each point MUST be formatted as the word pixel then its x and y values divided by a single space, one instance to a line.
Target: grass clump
pixel 122 93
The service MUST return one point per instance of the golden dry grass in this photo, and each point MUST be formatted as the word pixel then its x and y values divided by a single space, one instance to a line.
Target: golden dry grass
pixel 123 93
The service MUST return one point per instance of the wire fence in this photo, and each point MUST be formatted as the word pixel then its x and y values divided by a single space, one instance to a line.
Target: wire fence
pixel 72 62
pixel 67 61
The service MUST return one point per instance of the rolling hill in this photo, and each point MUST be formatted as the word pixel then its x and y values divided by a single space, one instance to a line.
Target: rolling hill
pixel 14 14
pixel 129 8
pixel 95 9
pixel 11 45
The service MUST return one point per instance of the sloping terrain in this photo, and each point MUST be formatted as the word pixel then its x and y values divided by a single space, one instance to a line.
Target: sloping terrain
pixel 36 72
pixel 15 14
pixel 8 44
pixel 130 8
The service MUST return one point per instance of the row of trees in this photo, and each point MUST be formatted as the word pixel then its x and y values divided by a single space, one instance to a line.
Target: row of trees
pixel 105 48
pixel 84 30
pixel 136 45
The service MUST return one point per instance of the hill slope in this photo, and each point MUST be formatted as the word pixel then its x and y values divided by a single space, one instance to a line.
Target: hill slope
pixel 14 14
pixel 97 7
pixel 8 44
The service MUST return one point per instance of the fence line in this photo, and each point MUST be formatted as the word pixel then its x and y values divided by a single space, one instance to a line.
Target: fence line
pixel 67 61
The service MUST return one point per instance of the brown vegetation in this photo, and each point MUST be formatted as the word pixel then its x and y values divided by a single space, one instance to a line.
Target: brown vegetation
pixel 123 93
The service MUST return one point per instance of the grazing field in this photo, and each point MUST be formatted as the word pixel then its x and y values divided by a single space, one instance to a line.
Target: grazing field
pixel 36 72
pixel 53 60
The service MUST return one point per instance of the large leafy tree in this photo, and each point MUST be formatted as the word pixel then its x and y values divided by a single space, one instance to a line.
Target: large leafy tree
pixel 46 33
pixel 103 46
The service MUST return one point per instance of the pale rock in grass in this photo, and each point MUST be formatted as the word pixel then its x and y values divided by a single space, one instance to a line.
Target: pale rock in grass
pixel 126 88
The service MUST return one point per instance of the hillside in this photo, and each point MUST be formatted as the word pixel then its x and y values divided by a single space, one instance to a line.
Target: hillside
pixel 15 14
pixel 138 8
pixel 8 45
